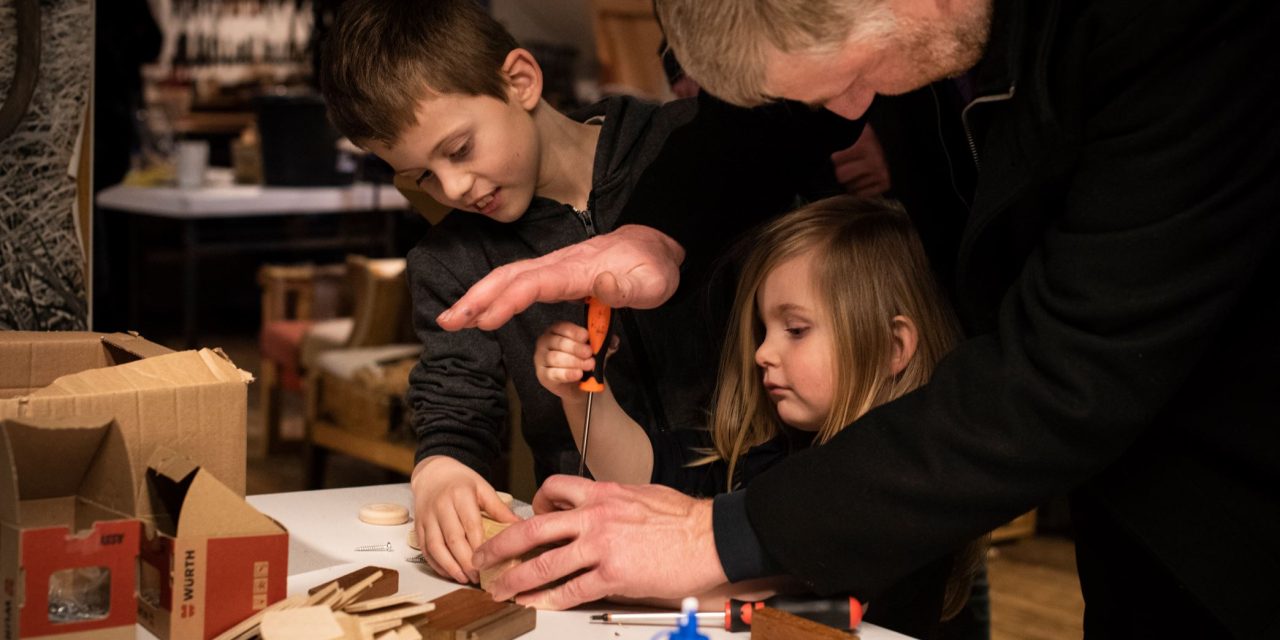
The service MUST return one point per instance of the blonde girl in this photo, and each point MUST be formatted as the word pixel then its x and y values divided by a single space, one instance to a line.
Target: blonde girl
pixel 836 312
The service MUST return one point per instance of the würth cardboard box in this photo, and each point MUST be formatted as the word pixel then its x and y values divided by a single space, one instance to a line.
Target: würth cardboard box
pixel 190 401
pixel 68 542
pixel 209 559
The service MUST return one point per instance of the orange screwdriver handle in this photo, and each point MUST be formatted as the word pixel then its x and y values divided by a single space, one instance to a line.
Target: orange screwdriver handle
pixel 599 330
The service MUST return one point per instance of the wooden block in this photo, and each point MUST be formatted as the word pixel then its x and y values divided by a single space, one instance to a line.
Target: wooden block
pixel 491 529
pixel 772 624
pixel 470 614
pixel 384 586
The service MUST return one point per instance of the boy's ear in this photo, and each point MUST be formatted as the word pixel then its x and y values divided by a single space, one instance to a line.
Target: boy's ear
pixel 524 78
pixel 905 339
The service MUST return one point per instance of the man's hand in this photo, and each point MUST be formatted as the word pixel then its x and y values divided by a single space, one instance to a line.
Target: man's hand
pixel 626 540
pixel 634 266
pixel 863 168
pixel 448 498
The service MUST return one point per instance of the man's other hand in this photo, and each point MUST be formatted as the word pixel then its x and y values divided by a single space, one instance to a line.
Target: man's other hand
pixel 624 540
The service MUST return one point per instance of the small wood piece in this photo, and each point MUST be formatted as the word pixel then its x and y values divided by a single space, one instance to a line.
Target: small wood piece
pixel 378 626
pixel 250 624
pixel 316 597
pixel 351 627
pixel 378 603
pixel 396 614
pixel 408 632
pixel 387 585
pixel 301 623
pixel 773 624
pixel 351 594
pixel 470 614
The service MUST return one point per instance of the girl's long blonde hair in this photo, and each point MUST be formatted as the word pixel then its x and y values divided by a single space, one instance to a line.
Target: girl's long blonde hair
pixel 871 266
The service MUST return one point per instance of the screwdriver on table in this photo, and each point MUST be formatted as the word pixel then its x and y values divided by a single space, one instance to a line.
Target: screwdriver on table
pixel 599 329
pixel 841 613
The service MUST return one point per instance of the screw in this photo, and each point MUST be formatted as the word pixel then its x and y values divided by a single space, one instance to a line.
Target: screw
pixel 375 547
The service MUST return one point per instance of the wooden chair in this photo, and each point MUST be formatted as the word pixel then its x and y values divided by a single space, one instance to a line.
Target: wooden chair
pixel 627 39
pixel 297 300
pixel 1023 526
pixel 350 408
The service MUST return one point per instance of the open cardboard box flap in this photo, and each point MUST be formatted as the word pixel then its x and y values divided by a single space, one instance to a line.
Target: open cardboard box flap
pixel 194 402
pixel 49 458
pixel 189 502
pixel 182 369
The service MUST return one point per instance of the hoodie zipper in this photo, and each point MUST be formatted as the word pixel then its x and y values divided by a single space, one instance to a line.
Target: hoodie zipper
pixel 964 118
pixel 587 220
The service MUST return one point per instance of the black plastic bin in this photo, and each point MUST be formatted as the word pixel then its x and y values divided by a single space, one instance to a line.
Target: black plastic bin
pixel 298 143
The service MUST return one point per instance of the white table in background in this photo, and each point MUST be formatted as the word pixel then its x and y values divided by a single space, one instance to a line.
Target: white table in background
pixel 324 531
pixel 190 207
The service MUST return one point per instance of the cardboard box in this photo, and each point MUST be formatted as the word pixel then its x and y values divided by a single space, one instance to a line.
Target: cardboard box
pixel 66 499
pixel 191 401
pixel 209 559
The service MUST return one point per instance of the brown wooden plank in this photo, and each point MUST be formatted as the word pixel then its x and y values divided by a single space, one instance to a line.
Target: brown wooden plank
pixel 771 624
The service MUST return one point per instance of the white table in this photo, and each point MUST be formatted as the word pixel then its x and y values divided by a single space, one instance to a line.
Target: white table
pixel 241 200
pixel 192 207
pixel 324 531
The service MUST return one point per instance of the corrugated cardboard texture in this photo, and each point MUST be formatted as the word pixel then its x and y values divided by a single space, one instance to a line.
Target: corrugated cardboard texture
pixel 191 401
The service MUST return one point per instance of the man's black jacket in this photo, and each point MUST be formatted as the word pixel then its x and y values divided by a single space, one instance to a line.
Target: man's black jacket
pixel 1117 271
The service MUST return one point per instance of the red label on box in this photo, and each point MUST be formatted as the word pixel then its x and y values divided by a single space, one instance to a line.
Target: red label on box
pixel 111 544
pixel 244 572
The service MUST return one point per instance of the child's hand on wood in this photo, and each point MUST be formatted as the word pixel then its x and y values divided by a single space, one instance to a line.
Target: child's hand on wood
pixel 561 358
pixel 448 499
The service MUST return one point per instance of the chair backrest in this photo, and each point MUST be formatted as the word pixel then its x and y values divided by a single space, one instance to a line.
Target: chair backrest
pixel 302 292
pixel 381 294
pixel 627 39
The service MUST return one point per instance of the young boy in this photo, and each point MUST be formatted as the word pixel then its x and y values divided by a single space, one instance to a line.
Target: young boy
pixel 445 95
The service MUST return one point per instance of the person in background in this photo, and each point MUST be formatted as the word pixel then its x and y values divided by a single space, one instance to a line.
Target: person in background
pixel 444 94
pixel 837 312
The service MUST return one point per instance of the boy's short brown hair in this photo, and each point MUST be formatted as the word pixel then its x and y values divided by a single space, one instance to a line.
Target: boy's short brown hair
pixel 383 56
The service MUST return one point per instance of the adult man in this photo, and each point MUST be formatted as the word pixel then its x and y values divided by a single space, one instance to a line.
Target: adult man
pixel 1114 274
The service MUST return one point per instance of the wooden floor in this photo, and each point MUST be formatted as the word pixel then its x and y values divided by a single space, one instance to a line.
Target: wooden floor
pixel 1035 594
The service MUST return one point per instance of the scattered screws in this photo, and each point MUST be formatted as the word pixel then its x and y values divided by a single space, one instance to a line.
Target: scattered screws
pixel 418 559
pixel 375 547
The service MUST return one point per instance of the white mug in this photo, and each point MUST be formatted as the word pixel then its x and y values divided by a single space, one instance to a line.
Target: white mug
pixel 193 158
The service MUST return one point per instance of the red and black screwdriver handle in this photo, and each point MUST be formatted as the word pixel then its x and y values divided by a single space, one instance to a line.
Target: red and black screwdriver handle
pixel 841 613
pixel 599 331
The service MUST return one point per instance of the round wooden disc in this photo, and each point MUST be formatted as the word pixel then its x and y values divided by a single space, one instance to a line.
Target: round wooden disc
pixel 386 513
